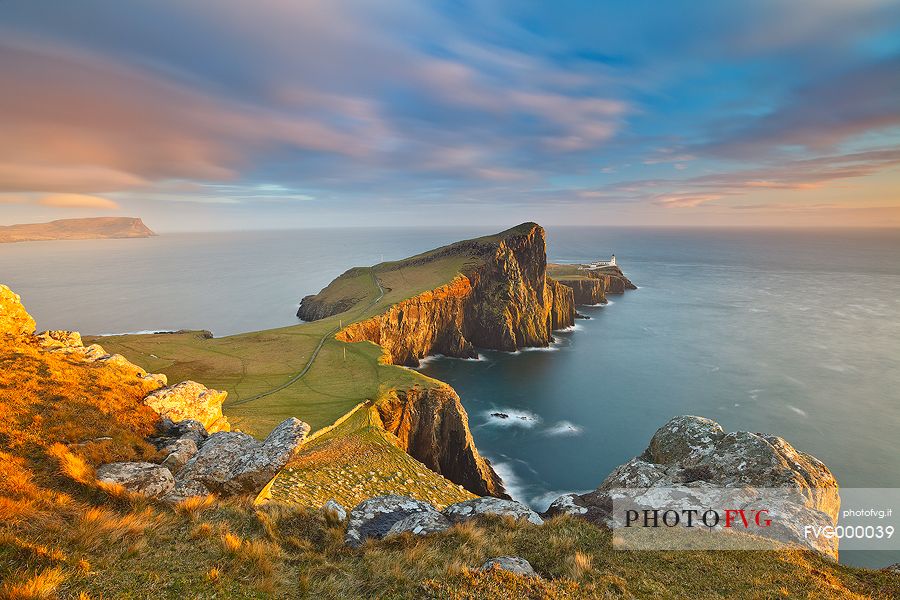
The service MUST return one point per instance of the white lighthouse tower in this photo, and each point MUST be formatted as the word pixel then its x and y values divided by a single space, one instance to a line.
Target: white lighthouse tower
pixel 612 261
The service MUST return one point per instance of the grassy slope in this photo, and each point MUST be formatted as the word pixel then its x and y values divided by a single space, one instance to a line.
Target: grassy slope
pixel 567 272
pixel 61 534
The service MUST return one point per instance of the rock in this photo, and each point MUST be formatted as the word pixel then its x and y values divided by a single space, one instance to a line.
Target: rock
pixel 373 518
pixel 140 477
pixel 587 291
pixel 894 568
pixel 432 426
pixel 693 457
pixel 14 319
pixel 513 564
pixel 187 429
pixel 335 508
pixel 500 415
pixel 470 509
pixel 420 523
pixel 60 339
pixel 567 504
pixel 231 462
pixel 190 400
pixel 178 453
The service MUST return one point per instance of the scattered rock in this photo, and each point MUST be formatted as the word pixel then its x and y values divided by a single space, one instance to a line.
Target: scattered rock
pixel 178 453
pixel 513 564
pixel 470 509
pixel 231 462
pixel 500 415
pixel 60 339
pixel 373 518
pixel 190 400
pixel 188 428
pixel 569 504
pixel 14 319
pixel 335 508
pixel 144 478
pixel 420 523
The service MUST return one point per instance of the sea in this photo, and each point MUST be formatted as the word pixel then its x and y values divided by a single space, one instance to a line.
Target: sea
pixel 794 333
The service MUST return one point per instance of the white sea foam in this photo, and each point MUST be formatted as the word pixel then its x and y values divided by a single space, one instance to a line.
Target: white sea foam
pixel 511 481
pixel 515 417
pixel 563 428
pixel 141 332
pixel 542 502
pixel 800 412
pixel 435 357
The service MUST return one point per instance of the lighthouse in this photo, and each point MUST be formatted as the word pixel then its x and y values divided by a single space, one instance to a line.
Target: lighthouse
pixel 612 261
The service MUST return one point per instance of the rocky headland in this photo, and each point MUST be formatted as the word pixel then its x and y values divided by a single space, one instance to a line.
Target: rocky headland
pixel 76 229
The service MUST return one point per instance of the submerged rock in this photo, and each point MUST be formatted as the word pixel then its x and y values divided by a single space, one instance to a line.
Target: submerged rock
pixel 513 564
pixel 231 462
pixel 470 509
pixel 374 518
pixel 14 319
pixel 190 400
pixel 144 478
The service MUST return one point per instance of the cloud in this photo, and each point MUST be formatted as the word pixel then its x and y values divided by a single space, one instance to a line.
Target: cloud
pixel 78 201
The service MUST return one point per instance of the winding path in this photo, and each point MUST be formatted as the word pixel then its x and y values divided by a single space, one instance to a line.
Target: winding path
pixel 312 358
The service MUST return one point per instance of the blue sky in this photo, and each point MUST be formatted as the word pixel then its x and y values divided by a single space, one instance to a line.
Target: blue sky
pixel 225 114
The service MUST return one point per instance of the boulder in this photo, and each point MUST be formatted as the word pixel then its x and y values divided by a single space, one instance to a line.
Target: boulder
pixel 187 429
pixel 692 461
pixel 513 564
pixel 144 478
pixel 178 453
pixel 420 523
pixel 231 462
pixel 470 509
pixel 60 339
pixel 335 508
pixel 373 518
pixel 190 400
pixel 14 319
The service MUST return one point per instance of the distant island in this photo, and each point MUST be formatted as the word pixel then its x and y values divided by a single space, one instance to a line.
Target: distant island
pixel 93 228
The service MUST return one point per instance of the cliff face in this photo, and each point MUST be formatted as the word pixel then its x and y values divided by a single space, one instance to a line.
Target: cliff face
pixel 505 301
pixel 587 291
pixel 614 281
pixel 432 426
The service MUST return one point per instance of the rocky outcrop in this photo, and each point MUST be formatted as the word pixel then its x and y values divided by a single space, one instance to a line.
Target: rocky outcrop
pixel 614 281
pixel 432 426
pixel 334 508
pixel 694 457
pixel 231 462
pixel 56 339
pixel 374 518
pixel 503 300
pixel 420 523
pixel 587 291
pixel 477 507
pixel 190 400
pixel 14 319
pixel 143 478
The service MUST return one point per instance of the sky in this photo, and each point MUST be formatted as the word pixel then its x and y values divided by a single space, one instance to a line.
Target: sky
pixel 228 114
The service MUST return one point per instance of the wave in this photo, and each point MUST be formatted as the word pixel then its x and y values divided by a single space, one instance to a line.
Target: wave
pixel 141 332
pixel 435 357
pixel 564 428
pixel 799 411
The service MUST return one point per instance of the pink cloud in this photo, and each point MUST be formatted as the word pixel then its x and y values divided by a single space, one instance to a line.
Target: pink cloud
pixel 78 201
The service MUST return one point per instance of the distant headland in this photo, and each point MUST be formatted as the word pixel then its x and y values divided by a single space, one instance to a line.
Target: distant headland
pixel 76 229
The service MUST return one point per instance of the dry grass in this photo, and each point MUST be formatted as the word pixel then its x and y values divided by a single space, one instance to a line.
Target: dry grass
pixel 38 587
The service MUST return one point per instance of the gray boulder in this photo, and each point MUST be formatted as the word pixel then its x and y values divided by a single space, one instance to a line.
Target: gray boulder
pixel 144 478
pixel 420 523
pixel 231 462
pixel 487 505
pixel 178 453
pixel 692 461
pixel 373 518
pixel 513 564
pixel 335 508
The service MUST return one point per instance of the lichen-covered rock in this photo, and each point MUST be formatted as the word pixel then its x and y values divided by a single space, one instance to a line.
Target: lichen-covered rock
pixel 60 338
pixel 178 453
pixel 420 523
pixel 170 432
pixel 432 426
pixel 144 478
pixel 231 462
pixel 513 564
pixel 470 509
pixel 373 518
pixel 190 400
pixel 335 508
pixel 14 319
pixel 568 504
pixel 695 456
